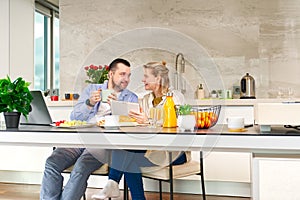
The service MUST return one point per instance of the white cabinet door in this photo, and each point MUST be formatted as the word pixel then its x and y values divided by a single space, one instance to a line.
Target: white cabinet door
pixel 276 177
pixel 227 166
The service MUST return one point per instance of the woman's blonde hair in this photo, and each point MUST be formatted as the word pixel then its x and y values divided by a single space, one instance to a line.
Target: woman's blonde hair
pixel 160 69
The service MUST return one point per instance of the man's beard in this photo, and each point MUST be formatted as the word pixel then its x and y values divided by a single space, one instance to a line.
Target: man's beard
pixel 117 87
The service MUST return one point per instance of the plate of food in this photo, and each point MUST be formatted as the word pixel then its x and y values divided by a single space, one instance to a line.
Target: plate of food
pixel 72 124
pixel 124 121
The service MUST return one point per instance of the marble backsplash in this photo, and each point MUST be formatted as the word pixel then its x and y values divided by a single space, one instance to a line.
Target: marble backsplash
pixel 220 40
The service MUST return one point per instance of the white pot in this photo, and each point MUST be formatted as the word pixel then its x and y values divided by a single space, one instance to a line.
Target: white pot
pixel 186 122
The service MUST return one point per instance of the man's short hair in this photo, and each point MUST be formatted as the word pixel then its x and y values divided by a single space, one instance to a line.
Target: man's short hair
pixel 113 64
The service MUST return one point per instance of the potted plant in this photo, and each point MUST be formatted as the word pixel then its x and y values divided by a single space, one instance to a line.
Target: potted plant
pixel 186 120
pixel 15 99
pixel 96 74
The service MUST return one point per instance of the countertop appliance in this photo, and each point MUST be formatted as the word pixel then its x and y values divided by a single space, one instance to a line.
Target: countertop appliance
pixel 247 87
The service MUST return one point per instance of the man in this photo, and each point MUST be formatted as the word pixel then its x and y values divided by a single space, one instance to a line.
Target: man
pixel 85 161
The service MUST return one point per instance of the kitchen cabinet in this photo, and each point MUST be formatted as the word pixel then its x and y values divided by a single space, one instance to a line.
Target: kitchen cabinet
pixel 273 174
pixel 230 167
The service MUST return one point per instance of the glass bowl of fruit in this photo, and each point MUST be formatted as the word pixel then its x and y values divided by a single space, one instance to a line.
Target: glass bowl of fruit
pixel 206 117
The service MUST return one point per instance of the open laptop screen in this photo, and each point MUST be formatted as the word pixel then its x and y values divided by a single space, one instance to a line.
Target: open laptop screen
pixel 40 114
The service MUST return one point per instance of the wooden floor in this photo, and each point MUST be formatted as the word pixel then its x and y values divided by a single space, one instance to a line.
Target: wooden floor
pixel 31 192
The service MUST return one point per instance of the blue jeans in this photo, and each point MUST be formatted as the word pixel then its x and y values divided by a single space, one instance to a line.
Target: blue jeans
pixel 129 163
pixel 86 161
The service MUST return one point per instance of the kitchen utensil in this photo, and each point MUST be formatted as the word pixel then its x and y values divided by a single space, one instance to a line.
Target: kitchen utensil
pixel 247 87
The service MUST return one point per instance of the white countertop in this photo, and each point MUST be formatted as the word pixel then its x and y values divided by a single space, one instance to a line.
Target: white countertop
pixel 218 138
pixel 236 102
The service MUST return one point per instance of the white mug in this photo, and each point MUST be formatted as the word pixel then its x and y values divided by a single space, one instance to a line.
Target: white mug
pixel 105 94
pixel 235 123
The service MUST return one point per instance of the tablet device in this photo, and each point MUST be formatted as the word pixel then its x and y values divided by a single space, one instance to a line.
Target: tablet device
pixel 123 107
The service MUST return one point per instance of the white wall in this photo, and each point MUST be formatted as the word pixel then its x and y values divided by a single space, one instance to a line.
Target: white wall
pixel 259 37
pixel 4 37
pixel 22 45
pixel 17 39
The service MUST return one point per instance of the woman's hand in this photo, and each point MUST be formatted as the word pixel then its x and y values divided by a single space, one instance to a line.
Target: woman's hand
pixel 140 118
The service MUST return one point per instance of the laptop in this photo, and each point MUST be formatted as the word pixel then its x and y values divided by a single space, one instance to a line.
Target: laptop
pixel 39 114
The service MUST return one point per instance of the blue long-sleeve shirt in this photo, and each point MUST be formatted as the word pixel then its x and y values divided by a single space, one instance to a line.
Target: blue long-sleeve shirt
pixel 81 110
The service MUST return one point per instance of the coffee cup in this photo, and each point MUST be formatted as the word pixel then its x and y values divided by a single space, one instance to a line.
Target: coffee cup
pixel 105 94
pixel 76 96
pixel 67 96
pixel 54 98
pixel 235 123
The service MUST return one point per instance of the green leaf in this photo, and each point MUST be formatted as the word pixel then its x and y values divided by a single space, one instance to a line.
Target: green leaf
pixel 185 109
pixel 15 96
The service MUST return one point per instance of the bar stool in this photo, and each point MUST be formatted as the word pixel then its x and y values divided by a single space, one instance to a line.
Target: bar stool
pixel 171 172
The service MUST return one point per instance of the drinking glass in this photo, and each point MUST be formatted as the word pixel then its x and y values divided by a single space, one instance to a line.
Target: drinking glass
pixel 290 93
pixel 158 117
pixel 155 117
pixel 280 93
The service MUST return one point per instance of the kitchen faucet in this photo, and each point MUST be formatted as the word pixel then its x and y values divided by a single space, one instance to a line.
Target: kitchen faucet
pixel 179 71
pixel 182 63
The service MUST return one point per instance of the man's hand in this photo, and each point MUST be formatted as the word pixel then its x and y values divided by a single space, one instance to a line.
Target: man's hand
pixel 112 96
pixel 95 97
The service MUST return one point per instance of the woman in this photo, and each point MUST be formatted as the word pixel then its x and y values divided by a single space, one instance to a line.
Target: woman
pixel 128 162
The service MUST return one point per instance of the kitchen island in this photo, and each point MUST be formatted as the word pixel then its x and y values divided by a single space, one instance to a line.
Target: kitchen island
pixel 218 138
pixel 279 141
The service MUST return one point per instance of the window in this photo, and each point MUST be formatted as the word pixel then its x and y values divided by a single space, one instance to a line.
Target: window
pixel 40 49
pixel 46 55
pixel 56 54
